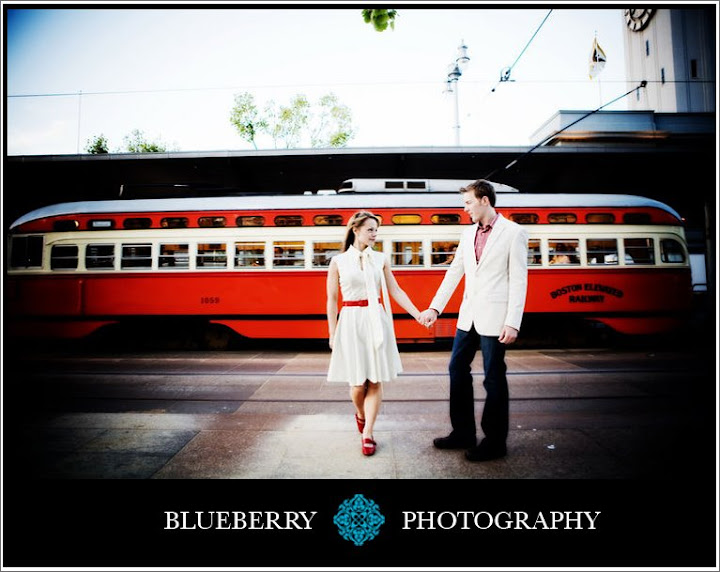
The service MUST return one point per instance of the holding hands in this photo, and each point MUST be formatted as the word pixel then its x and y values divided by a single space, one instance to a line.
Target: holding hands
pixel 427 317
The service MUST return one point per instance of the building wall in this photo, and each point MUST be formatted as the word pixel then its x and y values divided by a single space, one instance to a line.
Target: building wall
pixel 700 33
pixel 675 54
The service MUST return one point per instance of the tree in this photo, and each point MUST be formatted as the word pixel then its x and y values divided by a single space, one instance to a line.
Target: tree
pixel 244 116
pixel 286 123
pixel 325 124
pixel 136 143
pixel 97 146
pixel 332 126
pixel 380 19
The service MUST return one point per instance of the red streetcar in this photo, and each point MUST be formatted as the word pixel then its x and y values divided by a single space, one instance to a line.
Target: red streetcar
pixel 257 264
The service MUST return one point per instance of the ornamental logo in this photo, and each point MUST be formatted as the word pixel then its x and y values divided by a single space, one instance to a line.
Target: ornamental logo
pixel 358 519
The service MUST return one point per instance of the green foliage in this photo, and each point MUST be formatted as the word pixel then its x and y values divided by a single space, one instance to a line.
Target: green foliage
pixel 244 116
pixel 332 125
pixel 286 123
pixel 327 123
pixel 380 19
pixel 136 143
pixel 97 145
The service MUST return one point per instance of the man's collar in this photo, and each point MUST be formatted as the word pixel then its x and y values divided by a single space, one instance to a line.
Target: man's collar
pixel 490 225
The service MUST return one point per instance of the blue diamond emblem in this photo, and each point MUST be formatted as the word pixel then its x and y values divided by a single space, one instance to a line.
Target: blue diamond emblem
pixel 358 519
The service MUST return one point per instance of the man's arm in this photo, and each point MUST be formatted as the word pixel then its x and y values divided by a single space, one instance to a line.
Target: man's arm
pixel 517 278
pixel 452 277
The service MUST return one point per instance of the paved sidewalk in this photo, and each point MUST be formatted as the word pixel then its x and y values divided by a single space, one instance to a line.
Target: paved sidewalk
pixel 272 415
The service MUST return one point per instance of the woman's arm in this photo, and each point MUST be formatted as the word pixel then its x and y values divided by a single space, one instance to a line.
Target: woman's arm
pixel 399 294
pixel 333 281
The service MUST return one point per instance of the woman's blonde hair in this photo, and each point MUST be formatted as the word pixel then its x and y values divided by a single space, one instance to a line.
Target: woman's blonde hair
pixel 355 222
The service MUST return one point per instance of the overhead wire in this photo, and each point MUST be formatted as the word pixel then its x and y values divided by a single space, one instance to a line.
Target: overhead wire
pixel 641 85
pixel 505 72
pixel 429 83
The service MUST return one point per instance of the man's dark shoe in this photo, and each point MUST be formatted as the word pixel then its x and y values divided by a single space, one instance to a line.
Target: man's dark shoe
pixel 484 452
pixel 454 442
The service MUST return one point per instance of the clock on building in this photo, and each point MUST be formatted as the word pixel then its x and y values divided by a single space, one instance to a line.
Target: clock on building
pixel 637 19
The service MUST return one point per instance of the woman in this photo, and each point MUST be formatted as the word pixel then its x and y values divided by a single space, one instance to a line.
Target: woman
pixel 362 339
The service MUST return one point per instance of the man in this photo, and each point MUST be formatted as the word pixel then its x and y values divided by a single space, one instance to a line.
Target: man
pixel 492 255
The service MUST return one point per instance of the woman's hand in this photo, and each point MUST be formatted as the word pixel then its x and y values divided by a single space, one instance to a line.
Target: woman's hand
pixel 428 317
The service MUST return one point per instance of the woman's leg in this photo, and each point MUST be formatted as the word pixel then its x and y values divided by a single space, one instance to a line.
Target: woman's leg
pixel 357 394
pixel 373 398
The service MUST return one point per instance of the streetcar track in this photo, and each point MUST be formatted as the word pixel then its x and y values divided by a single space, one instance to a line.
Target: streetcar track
pixel 340 401
pixel 126 373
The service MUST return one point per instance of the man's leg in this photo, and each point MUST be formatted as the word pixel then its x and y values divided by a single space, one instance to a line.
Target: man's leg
pixel 495 417
pixel 462 402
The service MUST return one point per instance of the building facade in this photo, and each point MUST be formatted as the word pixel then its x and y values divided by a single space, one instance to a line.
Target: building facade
pixel 674 50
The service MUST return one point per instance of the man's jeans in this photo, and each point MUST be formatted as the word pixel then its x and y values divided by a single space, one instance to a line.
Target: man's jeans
pixel 462 405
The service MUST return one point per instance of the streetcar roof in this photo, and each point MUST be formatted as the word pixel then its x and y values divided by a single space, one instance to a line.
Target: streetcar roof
pixel 340 201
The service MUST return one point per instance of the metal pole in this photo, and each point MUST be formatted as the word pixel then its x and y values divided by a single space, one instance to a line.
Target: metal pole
pixel 78 127
pixel 453 81
pixel 457 116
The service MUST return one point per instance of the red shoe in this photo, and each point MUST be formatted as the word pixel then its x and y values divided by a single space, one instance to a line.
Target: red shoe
pixel 368 447
pixel 360 423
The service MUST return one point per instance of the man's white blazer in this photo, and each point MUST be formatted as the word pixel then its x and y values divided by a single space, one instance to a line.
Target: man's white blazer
pixel 496 286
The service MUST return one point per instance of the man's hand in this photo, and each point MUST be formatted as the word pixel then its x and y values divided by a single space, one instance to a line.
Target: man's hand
pixel 428 317
pixel 508 335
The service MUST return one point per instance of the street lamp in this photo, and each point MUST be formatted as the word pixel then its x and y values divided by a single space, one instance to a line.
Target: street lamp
pixel 455 70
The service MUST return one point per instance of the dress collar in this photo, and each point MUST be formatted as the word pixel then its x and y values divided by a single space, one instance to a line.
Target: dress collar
pixel 358 252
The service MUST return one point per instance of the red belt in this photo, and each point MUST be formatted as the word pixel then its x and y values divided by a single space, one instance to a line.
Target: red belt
pixel 357 302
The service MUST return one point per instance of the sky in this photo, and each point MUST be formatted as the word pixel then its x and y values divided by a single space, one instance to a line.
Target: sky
pixel 173 72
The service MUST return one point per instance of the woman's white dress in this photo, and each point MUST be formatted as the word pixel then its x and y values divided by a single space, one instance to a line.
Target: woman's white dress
pixel 364 347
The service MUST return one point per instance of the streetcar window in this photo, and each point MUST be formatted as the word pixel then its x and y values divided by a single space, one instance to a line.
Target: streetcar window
pixel 524 218
pixel 394 185
pixel 327 220
pixel 211 255
pixel 136 256
pixel 602 251
pixel 174 256
pixel 174 222
pixel 443 252
pixel 250 221
pixel 406 219
pixel 671 250
pixel 324 251
pixel 136 223
pixel 636 218
pixel 101 224
pixel 600 218
pixel 289 253
pixel 289 220
pixel 100 256
pixel 534 256
pixel 564 252
pixel 378 246
pixel 212 221
pixel 26 251
pixel 64 257
pixel 407 253
pixel 562 218
pixel 639 251
pixel 249 255
pixel 65 225
pixel 445 219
